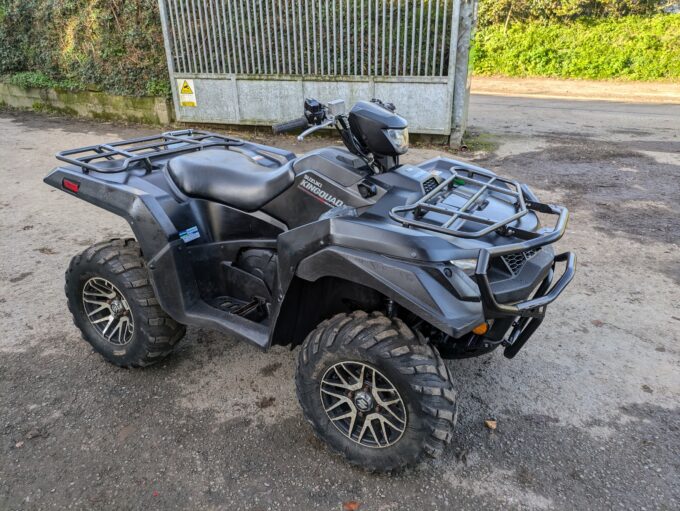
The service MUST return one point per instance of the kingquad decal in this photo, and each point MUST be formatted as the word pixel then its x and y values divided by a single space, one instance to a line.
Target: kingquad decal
pixel 315 188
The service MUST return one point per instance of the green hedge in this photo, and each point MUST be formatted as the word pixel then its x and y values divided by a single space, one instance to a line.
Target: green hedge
pixel 115 45
pixel 633 48
pixel 507 12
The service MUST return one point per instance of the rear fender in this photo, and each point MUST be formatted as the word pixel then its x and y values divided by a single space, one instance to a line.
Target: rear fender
pixel 162 249
pixel 149 222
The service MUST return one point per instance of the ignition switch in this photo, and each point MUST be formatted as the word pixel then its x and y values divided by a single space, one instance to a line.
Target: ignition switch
pixel 367 189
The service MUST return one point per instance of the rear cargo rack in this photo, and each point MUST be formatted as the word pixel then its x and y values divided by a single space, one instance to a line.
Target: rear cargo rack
pixel 411 215
pixel 127 154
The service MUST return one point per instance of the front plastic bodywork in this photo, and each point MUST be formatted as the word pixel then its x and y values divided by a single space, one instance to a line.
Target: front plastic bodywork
pixel 417 288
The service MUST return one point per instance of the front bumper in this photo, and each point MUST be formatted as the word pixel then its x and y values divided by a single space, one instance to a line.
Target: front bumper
pixel 528 314
pixel 535 306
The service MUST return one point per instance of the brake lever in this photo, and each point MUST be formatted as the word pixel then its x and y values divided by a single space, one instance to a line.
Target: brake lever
pixel 311 130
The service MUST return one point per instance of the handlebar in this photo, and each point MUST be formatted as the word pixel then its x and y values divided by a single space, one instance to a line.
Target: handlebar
pixel 294 125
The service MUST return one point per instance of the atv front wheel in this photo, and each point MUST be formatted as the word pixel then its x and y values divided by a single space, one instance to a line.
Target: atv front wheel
pixel 374 392
pixel 114 307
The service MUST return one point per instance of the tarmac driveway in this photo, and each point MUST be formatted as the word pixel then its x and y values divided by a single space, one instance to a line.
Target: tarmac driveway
pixel 588 413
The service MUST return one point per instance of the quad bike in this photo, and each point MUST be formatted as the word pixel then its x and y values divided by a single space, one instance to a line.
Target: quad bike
pixel 379 270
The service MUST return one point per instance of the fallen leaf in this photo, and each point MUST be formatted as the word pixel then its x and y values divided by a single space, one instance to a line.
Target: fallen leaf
pixel 350 505
pixel 490 423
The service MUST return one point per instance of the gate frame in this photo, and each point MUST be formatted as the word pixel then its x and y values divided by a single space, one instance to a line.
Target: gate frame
pixel 457 78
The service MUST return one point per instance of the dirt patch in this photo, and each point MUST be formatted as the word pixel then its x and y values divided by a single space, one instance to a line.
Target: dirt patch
pixel 46 250
pixel 270 369
pixel 20 277
pixel 585 151
pixel 266 402
pixel 673 271
pixel 639 133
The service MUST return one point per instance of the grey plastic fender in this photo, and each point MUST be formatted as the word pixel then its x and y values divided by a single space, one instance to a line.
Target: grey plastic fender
pixel 411 286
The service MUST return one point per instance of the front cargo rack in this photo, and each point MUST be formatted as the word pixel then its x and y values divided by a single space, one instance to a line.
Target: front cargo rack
pixel 128 154
pixel 410 215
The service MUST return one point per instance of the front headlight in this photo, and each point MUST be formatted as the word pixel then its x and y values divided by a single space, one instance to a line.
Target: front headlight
pixel 467 265
pixel 398 139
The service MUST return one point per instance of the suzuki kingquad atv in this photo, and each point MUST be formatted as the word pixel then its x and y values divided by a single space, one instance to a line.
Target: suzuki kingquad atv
pixel 378 269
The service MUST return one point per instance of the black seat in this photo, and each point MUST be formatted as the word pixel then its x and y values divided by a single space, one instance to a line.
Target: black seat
pixel 229 177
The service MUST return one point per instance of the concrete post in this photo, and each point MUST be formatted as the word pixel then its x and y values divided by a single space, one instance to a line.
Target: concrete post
pixel 463 72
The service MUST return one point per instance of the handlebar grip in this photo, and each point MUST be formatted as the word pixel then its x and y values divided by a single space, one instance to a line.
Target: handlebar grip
pixel 294 125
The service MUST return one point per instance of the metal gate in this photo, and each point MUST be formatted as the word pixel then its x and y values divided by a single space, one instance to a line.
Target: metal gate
pixel 254 61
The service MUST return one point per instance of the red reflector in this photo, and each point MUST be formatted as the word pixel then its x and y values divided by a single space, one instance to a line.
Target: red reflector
pixel 71 186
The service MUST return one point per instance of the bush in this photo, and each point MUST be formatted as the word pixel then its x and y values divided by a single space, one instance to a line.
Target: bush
pixel 28 79
pixel 633 48
pixel 505 12
pixel 115 45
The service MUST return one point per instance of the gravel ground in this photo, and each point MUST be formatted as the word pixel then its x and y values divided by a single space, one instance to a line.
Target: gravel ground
pixel 587 413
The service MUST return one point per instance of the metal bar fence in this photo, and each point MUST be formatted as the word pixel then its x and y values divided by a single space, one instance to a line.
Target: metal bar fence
pixel 360 38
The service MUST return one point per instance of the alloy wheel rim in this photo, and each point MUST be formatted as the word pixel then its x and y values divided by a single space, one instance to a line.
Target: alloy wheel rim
pixel 108 311
pixel 363 404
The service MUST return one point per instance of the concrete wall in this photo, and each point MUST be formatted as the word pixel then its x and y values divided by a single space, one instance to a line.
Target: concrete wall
pixel 96 105
pixel 424 103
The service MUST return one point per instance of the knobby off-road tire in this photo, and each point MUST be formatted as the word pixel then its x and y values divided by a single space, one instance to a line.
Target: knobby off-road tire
pixel 114 271
pixel 389 349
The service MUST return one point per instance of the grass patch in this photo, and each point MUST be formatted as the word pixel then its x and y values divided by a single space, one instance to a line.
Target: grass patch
pixel 38 80
pixel 629 48
pixel 480 142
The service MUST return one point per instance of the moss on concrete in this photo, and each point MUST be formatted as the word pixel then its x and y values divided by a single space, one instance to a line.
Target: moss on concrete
pixel 96 105
pixel 40 106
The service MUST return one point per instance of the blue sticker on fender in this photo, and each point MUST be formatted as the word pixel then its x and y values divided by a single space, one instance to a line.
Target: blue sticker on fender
pixel 189 234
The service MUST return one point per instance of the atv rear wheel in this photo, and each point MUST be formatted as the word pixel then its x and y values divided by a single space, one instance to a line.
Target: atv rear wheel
pixel 374 392
pixel 114 307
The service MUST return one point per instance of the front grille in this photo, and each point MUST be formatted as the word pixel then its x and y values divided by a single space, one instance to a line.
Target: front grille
pixel 430 185
pixel 515 262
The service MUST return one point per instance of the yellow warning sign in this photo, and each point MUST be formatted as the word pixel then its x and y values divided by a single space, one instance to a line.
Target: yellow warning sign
pixel 187 94
pixel 186 88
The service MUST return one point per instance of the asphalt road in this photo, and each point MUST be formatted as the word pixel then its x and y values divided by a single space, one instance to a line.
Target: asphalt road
pixel 604 120
pixel 588 414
